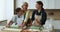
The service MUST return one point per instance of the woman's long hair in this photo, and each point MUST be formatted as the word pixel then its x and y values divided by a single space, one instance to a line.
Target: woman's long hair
pixel 42 10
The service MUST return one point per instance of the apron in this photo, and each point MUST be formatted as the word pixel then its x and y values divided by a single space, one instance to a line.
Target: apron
pixel 37 20
pixel 36 25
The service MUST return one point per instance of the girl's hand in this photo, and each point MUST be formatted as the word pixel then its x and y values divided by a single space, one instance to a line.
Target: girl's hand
pixel 23 24
pixel 20 27
pixel 7 26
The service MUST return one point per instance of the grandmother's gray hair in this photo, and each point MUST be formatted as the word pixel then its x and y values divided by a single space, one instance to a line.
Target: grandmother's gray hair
pixel 24 3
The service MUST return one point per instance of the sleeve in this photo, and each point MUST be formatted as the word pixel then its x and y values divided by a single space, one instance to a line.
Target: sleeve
pixel 33 13
pixel 13 17
pixel 44 18
pixel 27 16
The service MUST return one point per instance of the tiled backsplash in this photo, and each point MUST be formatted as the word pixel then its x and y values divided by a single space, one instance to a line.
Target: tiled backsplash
pixel 55 13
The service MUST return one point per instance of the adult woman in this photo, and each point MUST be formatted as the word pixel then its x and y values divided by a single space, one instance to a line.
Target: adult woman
pixel 40 12
pixel 39 16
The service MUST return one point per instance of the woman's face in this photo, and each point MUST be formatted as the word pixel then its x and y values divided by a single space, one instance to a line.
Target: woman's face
pixel 38 6
pixel 25 6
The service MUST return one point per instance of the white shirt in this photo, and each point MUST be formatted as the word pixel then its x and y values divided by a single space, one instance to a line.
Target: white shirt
pixel 19 20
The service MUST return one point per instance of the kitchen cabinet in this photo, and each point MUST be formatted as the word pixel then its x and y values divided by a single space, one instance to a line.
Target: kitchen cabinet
pixel 51 4
pixel 57 4
pixel 48 4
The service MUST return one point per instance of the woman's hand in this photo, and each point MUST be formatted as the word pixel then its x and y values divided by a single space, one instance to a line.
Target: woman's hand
pixel 36 22
pixel 20 27
pixel 29 24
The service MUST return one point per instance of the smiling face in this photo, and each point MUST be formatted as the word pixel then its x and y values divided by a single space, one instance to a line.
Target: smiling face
pixel 19 13
pixel 38 6
pixel 25 6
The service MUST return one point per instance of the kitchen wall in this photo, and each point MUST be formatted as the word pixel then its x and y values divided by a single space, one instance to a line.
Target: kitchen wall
pixel 55 13
pixel 6 9
pixel 9 9
pixel 2 10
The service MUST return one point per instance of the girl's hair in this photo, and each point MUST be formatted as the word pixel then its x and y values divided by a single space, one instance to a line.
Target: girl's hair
pixel 18 9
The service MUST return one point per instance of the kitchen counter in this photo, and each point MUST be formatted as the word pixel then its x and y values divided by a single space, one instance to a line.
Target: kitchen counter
pixel 4 29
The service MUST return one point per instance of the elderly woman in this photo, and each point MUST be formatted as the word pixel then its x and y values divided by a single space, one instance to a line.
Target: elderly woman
pixel 26 13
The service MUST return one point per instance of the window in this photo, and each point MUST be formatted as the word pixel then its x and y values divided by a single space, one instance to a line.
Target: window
pixel 6 9
pixel 2 10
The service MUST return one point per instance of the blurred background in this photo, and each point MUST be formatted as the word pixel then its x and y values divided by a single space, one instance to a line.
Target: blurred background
pixel 52 8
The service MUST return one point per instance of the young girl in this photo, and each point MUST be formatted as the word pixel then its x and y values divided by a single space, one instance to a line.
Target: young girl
pixel 17 19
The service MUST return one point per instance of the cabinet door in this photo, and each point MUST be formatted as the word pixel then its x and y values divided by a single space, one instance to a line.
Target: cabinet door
pixel 45 4
pixel 32 3
pixel 57 4
pixel 51 4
